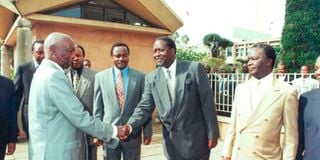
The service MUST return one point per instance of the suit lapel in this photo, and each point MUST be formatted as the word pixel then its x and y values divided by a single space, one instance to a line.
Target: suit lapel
pixel 110 87
pixel 181 76
pixel 132 80
pixel 162 88
pixel 268 100
pixel 83 83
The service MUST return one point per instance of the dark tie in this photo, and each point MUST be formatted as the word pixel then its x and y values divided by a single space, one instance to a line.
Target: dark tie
pixel 119 90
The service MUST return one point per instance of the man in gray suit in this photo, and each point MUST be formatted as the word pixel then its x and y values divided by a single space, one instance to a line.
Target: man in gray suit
pixel 309 122
pixel 182 95
pixel 82 79
pixel 56 116
pixel 22 81
pixel 108 107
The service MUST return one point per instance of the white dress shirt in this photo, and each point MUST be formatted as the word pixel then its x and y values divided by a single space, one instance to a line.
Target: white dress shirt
pixel 259 88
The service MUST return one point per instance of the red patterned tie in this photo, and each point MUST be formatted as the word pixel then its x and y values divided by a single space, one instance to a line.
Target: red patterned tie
pixel 119 89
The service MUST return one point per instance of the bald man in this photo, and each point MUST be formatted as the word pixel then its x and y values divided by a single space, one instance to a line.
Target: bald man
pixel 56 116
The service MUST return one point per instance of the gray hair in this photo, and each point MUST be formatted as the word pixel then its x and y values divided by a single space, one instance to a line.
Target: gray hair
pixel 53 39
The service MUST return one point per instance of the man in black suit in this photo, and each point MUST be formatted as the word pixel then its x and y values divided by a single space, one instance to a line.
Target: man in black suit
pixel 23 78
pixel 8 117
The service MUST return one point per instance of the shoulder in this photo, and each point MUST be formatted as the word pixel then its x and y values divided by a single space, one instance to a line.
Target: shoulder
pixel 311 93
pixel 5 80
pixel 104 72
pixel 136 72
pixel 88 71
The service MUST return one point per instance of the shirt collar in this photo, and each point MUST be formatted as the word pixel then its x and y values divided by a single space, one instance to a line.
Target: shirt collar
pixel 172 68
pixel 36 65
pixel 117 70
pixel 265 79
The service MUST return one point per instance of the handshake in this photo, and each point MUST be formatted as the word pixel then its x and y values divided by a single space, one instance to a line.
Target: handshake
pixel 123 132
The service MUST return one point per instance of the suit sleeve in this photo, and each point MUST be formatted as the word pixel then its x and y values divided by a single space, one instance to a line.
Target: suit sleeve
pixel 13 113
pixel 18 86
pixel 147 127
pixel 290 120
pixel 231 133
pixel 207 103
pixel 73 109
pixel 98 105
pixel 144 109
pixel 301 145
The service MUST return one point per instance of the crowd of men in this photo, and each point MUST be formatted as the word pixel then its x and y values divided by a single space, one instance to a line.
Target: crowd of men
pixel 69 109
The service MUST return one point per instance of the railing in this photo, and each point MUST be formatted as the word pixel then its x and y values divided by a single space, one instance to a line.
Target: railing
pixel 223 86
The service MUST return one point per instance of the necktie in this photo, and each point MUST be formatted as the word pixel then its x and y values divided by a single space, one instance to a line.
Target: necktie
pixel 256 94
pixel 170 86
pixel 76 79
pixel 119 90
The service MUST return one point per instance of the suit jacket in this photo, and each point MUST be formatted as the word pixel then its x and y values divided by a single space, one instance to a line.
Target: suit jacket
pixel 22 81
pixel 85 90
pixel 309 123
pixel 8 113
pixel 191 120
pixel 106 106
pixel 57 118
pixel 254 135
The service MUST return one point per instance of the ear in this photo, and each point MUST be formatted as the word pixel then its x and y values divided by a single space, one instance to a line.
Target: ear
pixel 52 48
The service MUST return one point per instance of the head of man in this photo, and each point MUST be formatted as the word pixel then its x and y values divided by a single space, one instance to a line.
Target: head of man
pixel 261 60
pixel 305 70
pixel 164 51
pixel 37 51
pixel 59 48
pixel 281 69
pixel 78 57
pixel 120 55
pixel 87 63
pixel 317 69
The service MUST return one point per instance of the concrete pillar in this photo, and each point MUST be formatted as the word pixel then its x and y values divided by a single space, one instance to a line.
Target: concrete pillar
pixel 24 41
pixel 5 61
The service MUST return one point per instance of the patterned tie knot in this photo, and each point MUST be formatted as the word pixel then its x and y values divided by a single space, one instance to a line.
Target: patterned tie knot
pixel 120 90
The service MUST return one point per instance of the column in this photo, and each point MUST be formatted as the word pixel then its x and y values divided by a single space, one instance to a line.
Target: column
pixel 5 61
pixel 24 41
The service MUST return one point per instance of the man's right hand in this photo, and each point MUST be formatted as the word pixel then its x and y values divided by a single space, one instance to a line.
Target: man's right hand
pixel 123 132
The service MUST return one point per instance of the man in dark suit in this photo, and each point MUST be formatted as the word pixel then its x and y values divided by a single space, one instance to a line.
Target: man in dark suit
pixel 182 95
pixel 22 81
pixel 82 79
pixel 309 122
pixel 8 117
pixel 107 105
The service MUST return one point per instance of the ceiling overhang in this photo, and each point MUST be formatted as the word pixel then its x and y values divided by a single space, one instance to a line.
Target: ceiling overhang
pixel 28 6
pixel 156 12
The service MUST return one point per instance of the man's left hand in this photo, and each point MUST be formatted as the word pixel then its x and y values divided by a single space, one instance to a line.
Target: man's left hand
pixel 146 140
pixel 11 147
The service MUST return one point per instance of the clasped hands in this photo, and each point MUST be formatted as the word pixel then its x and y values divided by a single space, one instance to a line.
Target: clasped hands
pixel 123 132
